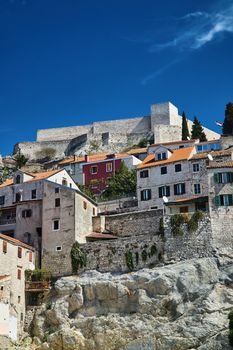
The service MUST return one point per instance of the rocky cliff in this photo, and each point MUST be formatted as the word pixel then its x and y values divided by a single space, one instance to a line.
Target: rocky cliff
pixel 176 307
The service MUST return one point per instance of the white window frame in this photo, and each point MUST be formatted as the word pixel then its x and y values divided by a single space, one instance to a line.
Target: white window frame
pixel 197 186
pixel 58 225
pixel 58 246
pixel 94 166
pixel 194 166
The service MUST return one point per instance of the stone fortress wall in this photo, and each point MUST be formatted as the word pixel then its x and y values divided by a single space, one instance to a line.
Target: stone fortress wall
pixel 163 125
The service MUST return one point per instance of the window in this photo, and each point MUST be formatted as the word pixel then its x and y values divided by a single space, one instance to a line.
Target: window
pixel 224 200
pixel 223 178
pixel 84 205
pixel 57 189
pixel 58 248
pixel 161 156
pixel 215 146
pixel 64 182
pixel 4 247
pixel 93 211
pixel 33 194
pixel 196 167
pixel 202 148
pixel 18 179
pixel 18 197
pixel 179 189
pixel 19 274
pixel 108 167
pixel 163 170
pixel 19 252
pixel 56 225
pixel 70 185
pixel 145 195
pixel 57 202
pixel 144 173
pixel 94 169
pixel 27 213
pixel 30 257
pixel 164 191
pixel 177 168
pixel 19 299
pixel 2 200
pixel 197 188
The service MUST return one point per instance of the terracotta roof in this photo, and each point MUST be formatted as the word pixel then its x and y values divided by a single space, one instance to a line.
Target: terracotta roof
pixel 36 177
pixel 174 143
pixel 15 241
pixel 215 165
pixel 176 156
pixel 101 236
pixel 203 155
pixel 93 158
pixel 4 277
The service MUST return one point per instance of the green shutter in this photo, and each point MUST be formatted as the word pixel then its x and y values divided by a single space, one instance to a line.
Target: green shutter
pixel 217 201
pixel 216 178
pixel 230 199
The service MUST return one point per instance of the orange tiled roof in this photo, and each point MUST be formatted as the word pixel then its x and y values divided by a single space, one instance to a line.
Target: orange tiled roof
pixel 92 158
pixel 177 155
pixel 215 165
pixel 137 150
pixel 15 241
pixel 36 177
pixel 203 155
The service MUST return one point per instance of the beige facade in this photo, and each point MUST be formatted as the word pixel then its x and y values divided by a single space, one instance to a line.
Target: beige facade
pixel 15 258
pixel 50 214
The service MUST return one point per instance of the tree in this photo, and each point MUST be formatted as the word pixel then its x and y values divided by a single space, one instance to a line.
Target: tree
pixel 124 182
pixel 185 130
pixel 198 131
pixel 21 160
pixel 227 128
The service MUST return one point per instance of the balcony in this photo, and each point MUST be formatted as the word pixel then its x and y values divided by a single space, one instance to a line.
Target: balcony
pixel 37 286
pixel 7 221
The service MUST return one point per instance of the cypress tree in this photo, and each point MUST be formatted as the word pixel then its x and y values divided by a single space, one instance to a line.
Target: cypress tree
pixel 198 131
pixel 185 130
pixel 227 128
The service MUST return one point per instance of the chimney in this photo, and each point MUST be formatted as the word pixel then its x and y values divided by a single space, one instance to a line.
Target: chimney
pixel 86 158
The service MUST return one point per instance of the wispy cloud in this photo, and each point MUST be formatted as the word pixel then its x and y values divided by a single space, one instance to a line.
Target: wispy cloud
pixel 198 28
pixel 195 29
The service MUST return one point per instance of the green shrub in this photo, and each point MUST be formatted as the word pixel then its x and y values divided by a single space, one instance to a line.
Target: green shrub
pixel 153 250
pixel 129 260
pixel 144 255
pixel 78 257
pixel 161 227
pixel 176 221
pixel 193 222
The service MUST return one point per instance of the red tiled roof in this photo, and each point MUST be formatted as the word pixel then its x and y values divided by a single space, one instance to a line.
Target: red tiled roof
pixel 215 165
pixel 93 158
pixel 15 241
pixel 203 155
pixel 177 155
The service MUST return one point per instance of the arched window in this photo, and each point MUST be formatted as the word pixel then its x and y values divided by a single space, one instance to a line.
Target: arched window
pixel 18 179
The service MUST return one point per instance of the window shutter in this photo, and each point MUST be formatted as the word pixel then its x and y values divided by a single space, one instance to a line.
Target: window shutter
pixel 175 189
pixel 216 178
pixel 230 199
pixel 149 194
pixel 183 188
pixel 217 201
pixel 160 192
pixel 168 191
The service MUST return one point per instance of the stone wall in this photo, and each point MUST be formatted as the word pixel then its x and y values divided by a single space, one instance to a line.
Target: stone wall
pixel 188 245
pixel 134 223
pixel 146 250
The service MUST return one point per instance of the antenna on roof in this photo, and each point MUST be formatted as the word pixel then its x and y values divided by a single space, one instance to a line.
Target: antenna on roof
pixel 210 157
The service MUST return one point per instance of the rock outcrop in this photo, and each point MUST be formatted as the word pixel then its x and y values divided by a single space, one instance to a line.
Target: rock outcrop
pixel 175 307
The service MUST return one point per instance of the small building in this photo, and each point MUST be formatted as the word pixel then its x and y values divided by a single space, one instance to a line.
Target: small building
pixel 94 170
pixel 15 258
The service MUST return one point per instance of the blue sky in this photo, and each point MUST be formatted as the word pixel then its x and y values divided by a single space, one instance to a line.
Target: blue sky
pixel 70 62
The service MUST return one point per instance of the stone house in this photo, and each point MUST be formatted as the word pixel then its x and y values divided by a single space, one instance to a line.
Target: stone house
pixel 178 174
pixel 94 170
pixel 15 258
pixel 47 211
